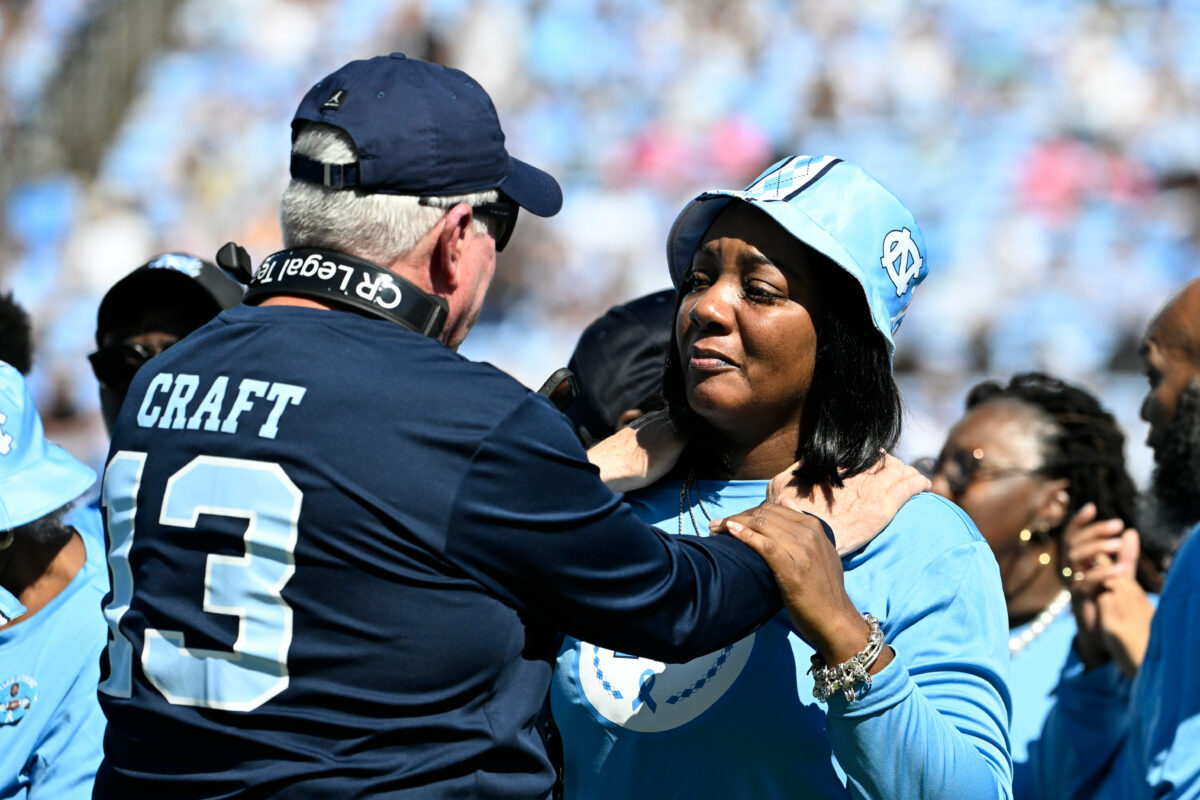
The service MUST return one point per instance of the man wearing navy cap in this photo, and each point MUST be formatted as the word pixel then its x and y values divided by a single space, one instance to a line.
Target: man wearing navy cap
pixel 51 631
pixel 147 311
pixel 341 552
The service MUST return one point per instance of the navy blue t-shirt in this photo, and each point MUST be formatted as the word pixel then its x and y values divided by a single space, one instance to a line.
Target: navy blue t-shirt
pixel 340 557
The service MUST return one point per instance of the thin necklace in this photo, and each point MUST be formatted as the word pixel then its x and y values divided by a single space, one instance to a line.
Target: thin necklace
pixel 1018 643
pixel 685 501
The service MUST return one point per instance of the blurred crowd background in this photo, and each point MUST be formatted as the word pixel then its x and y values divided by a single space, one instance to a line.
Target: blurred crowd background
pixel 1049 148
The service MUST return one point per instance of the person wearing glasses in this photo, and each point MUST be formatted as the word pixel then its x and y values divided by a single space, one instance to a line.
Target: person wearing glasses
pixel 147 311
pixel 342 552
pixel 1029 461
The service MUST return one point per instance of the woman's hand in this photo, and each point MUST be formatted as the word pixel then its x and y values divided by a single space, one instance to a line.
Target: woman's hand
pixel 861 508
pixel 640 454
pixel 1125 615
pixel 1112 612
pixel 799 549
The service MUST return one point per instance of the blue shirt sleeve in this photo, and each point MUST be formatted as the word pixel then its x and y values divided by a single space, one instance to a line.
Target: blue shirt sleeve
pixel 942 705
pixel 533 521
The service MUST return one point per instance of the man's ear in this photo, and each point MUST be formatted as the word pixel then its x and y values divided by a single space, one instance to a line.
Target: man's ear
pixel 448 249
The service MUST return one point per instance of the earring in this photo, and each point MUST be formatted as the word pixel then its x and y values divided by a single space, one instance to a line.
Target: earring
pixel 6 539
pixel 1026 535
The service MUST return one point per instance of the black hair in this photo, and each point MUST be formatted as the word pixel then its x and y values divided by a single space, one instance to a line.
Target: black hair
pixel 853 409
pixel 16 334
pixel 48 530
pixel 1085 446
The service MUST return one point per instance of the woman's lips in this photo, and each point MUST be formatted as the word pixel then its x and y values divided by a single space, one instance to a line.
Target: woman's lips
pixel 706 360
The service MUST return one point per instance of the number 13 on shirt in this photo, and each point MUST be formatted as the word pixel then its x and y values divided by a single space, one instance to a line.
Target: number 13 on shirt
pixel 248 587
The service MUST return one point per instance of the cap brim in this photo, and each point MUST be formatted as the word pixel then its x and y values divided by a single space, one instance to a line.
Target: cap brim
pixel 532 189
pixel 694 221
pixel 55 480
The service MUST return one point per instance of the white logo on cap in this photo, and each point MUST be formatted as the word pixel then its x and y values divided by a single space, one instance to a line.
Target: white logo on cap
pixel 189 265
pixel 901 258
pixel 5 439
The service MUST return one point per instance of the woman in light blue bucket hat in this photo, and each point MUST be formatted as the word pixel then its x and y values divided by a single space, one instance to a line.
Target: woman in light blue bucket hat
pixel 52 582
pixel 886 676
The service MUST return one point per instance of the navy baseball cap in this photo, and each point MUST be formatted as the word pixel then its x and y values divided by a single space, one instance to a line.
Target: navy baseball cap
pixel 169 281
pixel 420 129
pixel 836 209
pixel 36 476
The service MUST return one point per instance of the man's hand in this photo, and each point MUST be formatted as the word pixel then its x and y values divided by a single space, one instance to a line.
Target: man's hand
pixel 640 454
pixel 861 508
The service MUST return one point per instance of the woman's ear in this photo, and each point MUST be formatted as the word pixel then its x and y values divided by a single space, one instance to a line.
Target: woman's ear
pixel 1054 502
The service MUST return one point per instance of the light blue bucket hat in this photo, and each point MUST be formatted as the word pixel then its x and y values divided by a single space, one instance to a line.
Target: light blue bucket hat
pixel 836 209
pixel 36 476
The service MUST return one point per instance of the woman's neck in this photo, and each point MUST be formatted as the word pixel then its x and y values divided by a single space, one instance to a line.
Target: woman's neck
pixel 720 458
pixel 1029 586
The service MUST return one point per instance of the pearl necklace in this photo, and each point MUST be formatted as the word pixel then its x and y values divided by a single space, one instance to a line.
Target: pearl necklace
pixel 1018 643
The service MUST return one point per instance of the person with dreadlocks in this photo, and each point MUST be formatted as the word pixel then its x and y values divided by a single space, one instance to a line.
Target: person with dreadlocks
pixel 1028 461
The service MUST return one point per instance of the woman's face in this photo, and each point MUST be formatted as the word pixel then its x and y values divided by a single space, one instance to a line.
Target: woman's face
pixel 745 327
pixel 988 467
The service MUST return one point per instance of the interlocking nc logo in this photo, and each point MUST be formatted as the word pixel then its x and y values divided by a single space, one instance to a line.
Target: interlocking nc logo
pixel 5 439
pixel 901 258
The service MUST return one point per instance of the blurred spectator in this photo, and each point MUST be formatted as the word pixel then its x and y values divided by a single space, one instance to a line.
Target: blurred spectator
pixel 1110 736
pixel 51 630
pixel 618 365
pixel 149 310
pixel 1023 460
pixel 16 335
pixel 1040 141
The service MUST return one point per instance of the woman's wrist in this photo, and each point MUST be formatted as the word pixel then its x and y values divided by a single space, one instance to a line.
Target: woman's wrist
pixel 852 676
pixel 844 639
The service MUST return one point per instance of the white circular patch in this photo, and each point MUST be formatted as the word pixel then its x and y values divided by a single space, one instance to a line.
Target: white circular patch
pixel 646 695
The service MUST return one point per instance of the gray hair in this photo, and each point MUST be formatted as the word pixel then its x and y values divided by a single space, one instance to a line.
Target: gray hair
pixel 378 227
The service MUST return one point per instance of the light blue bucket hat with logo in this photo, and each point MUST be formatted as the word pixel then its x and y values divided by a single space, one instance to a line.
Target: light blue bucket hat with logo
pixel 836 209
pixel 36 476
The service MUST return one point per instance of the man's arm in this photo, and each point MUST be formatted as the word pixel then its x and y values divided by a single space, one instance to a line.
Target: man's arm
pixel 533 522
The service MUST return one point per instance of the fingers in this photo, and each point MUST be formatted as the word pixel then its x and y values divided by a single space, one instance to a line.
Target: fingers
pixel 1093 582
pixel 1082 556
pixel 1129 550
pixel 763 537
pixel 910 485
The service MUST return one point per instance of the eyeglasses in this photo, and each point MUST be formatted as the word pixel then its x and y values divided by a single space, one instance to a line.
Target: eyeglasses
pixel 116 364
pixel 502 215
pixel 961 468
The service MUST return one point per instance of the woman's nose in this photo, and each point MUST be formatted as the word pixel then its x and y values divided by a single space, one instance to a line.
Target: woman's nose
pixel 713 306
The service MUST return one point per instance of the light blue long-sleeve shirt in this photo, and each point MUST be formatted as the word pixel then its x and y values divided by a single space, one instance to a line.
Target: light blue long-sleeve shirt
pixel 1108 737
pixel 742 721
pixel 51 726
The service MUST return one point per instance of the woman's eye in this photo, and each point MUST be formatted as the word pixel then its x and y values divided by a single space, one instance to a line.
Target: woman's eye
pixel 759 293
pixel 693 281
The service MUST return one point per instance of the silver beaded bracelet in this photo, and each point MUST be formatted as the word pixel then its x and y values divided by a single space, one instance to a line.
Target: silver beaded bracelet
pixel 849 676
